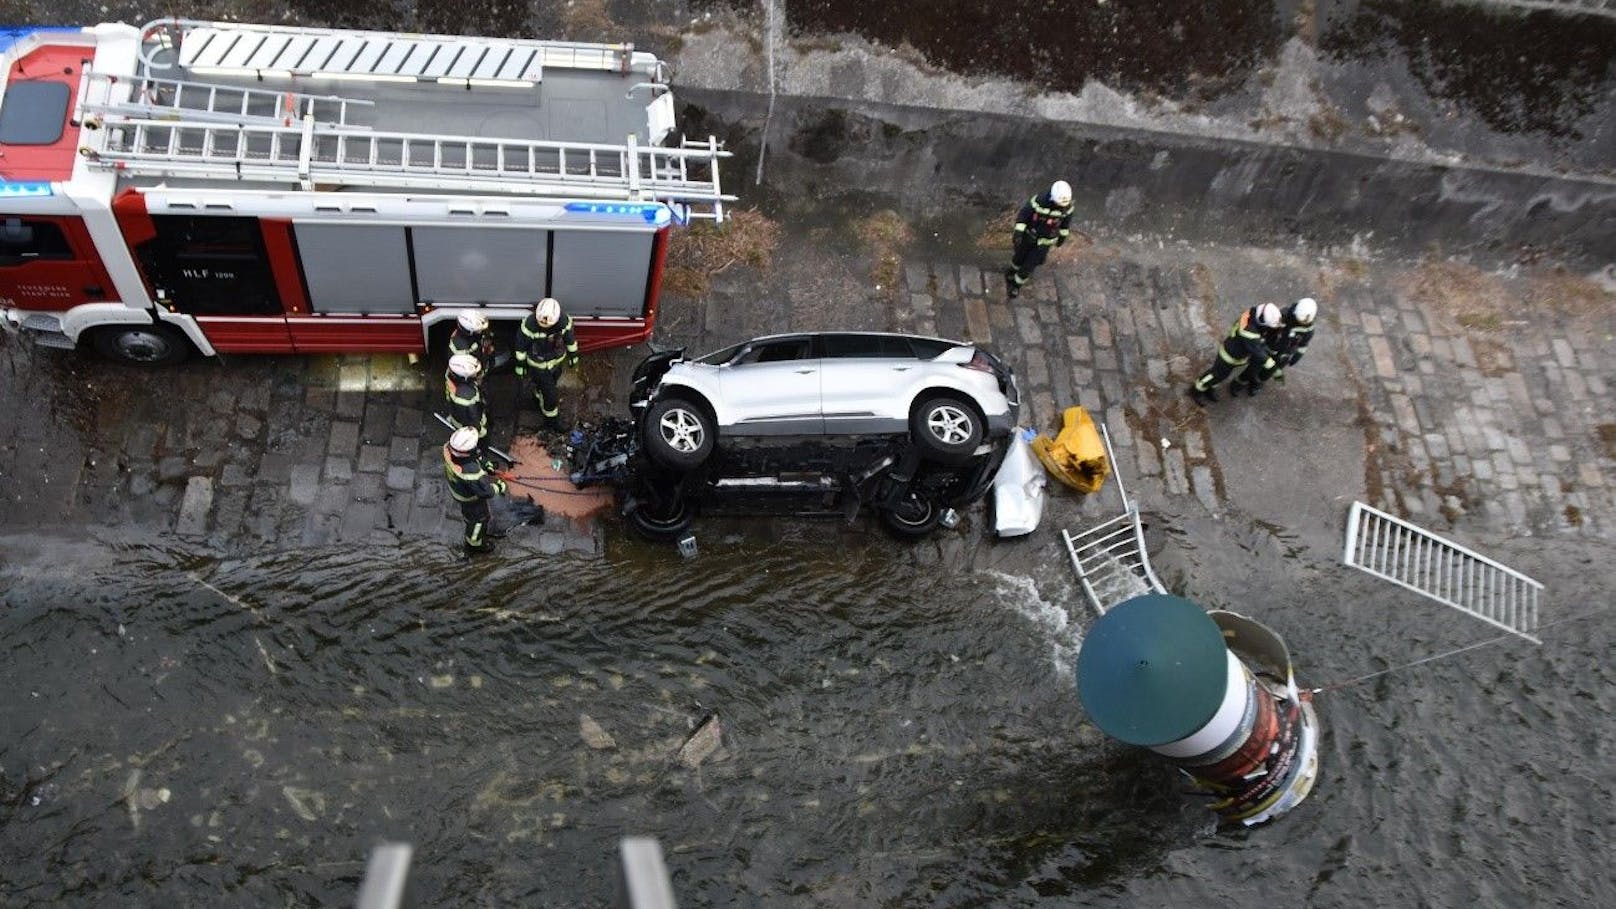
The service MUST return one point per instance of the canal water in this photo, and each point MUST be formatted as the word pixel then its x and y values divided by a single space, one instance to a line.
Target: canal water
pixel 899 728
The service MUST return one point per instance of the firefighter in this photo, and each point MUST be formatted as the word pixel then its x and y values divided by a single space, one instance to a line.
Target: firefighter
pixel 1286 343
pixel 1244 346
pixel 472 485
pixel 1044 222
pixel 546 345
pixel 463 389
pixel 471 336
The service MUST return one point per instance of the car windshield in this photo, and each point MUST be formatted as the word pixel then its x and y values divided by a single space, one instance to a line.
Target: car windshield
pixel 721 356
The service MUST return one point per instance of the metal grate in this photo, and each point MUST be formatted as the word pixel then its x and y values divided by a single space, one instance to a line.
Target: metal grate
pixel 1110 558
pixel 1391 548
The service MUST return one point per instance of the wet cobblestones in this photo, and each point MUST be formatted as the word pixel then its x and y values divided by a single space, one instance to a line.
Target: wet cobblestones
pixel 1500 431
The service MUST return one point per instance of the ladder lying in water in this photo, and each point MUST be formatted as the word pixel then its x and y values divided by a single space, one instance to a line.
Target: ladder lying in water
pixel 1408 556
pixel 1110 558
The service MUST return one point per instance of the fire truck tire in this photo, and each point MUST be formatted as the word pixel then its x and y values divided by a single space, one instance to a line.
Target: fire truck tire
pixel 678 433
pixel 667 521
pixel 946 428
pixel 914 516
pixel 142 345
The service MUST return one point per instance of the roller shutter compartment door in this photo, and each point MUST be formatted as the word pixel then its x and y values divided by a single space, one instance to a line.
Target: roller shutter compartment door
pixel 601 273
pixel 356 268
pixel 479 264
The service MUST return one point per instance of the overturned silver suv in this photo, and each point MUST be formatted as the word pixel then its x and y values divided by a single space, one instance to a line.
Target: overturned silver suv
pixel 912 427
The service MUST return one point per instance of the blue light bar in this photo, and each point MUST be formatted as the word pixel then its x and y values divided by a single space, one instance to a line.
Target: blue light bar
pixel 10 190
pixel 649 212
pixel 11 34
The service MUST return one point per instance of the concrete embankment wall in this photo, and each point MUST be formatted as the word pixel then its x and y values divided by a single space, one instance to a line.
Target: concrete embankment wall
pixel 1189 186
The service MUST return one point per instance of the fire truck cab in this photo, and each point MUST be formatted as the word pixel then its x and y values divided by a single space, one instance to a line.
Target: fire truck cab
pixel 232 188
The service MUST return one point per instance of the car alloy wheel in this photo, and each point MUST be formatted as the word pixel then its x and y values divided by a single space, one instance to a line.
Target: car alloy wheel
pixel 682 430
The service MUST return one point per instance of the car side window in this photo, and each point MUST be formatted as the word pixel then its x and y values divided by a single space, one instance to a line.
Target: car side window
pixel 30 241
pixel 929 348
pixel 849 347
pixel 782 351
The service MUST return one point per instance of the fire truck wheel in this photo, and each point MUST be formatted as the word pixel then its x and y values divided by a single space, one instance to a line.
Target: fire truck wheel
pixel 665 521
pixel 142 345
pixel 914 516
pixel 946 428
pixel 678 433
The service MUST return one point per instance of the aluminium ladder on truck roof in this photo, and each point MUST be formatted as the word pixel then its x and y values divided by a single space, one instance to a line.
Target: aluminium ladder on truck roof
pixel 182 99
pixel 180 128
pixel 1411 557
pixel 314 153
pixel 1110 558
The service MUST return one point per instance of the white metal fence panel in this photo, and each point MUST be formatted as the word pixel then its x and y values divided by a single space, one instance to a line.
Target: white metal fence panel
pixel 1411 557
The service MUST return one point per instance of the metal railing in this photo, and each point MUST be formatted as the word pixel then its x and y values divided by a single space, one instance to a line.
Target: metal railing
pixel 1416 559
pixel 1110 558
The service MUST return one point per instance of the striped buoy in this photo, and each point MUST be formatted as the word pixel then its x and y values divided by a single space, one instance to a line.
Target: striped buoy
pixel 1159 672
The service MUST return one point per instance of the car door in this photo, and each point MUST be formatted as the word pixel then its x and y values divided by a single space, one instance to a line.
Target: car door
pixel 48 262
pixel 772 388
pixel 861 380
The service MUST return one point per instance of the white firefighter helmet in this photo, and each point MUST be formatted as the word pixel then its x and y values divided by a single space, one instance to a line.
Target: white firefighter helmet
pixel 472 321
pixel 1268 315
pixel 1061 193
pixel 548 312
pixel 1305 309
pixel 465 366
pixel 464 440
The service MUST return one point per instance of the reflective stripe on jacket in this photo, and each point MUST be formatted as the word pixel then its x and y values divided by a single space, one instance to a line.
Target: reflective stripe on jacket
pixel 546 348
pixel 1044 221
pixel 465 403
pixel 1245 343
pixel 468 481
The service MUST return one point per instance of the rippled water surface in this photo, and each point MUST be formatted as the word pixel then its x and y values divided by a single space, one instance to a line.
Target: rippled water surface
pixel 899 729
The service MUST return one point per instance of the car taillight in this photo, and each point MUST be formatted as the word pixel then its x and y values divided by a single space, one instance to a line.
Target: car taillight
pixel 980 362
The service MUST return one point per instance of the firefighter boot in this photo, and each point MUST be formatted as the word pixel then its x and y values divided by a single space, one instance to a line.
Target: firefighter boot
pixel 1011 288
pixel 1203 396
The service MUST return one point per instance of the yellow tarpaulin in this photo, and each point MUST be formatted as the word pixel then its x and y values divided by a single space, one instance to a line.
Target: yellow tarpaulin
pixel 1076 456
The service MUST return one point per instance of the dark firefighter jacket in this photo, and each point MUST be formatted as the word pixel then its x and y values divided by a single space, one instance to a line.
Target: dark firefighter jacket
pixel 1043 222
pixel 479 345
pixel 1289 340
pixel 468 480
pixel 465 403
pixel 1245 343
pixel 546 348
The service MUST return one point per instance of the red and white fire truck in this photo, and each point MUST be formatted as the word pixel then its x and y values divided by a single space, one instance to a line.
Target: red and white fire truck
pixel 231 188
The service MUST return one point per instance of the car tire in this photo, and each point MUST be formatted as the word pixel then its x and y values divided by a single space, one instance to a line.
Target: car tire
pixel 662 522
pixel 678 433
pixel 158 344
pixel 914 516
pixel 946 428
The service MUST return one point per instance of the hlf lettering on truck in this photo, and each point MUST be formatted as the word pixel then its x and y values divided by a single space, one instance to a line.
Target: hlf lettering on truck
pixel 232 188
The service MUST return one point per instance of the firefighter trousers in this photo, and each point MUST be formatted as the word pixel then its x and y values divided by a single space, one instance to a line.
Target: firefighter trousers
pixel 1028 255
pixel 545 391
pixel 478 516
pixel 1224 366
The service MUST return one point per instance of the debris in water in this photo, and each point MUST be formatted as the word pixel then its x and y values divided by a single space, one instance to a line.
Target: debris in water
pixel 307 803
pixel 706 739
pixel 151 798
pixel 594 736
pixel 441 681
pixel 129 799
pixel 268 660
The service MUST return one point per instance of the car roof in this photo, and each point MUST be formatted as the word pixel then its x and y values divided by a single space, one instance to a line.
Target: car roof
pixel 855 334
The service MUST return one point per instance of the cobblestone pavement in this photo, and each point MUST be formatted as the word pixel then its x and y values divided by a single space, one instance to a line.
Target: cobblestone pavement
pixel 1498 429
